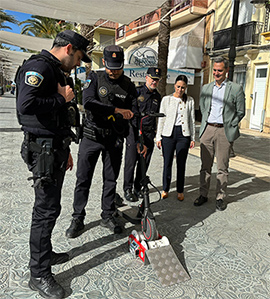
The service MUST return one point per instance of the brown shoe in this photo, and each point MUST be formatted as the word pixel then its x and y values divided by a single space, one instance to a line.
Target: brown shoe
pixel 180 196
pixel 164 194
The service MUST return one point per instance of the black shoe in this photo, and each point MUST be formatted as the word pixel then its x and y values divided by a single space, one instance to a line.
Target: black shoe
pixel 112 225
pixel 75 228
pixel 200 200
pixel 138 193
pixel 130 196
pixel 59 258
pixel 221 205
pixel 47 287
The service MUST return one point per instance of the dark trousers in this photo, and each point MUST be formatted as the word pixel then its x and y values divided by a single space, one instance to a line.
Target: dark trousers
pixel 89 152
pixel 45 212
pixel 179 143
pixel 132 158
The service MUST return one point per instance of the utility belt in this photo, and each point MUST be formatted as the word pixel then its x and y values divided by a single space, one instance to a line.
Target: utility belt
pixel 56 142
pixel 39 150
pixel 95 133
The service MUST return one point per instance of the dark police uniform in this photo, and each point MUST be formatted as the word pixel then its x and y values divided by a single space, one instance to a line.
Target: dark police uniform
pixel 103 133
pixel 43 114
pixel 147 102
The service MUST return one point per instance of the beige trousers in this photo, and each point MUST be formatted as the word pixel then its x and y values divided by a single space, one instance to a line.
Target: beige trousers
pixel 214 143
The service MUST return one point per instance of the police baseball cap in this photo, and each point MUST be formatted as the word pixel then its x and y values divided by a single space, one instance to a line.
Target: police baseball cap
pixel 77 41
pixel 154 72
pixel 114 57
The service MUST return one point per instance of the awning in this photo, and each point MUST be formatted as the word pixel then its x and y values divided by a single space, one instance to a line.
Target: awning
pixel 10 60
pixel 25 41
pixel 85 11
pixel 185 49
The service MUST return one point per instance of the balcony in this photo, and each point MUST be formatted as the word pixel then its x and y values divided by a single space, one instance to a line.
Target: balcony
pixel 148 25
pixel 247 34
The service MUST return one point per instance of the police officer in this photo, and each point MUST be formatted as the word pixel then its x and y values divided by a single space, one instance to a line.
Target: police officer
pixel 108 97
pixel 46 115
pixel 148 101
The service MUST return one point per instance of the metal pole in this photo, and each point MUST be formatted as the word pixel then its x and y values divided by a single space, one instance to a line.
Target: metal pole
pixel 232 52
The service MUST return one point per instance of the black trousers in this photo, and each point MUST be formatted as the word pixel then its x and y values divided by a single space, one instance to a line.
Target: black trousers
pixel 179 144
pixel 132 159
pixel 45 212
pixel 89 152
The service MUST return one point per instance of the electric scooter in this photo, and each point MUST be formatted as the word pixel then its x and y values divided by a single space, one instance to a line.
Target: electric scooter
pixel 144 215
pixel 148 244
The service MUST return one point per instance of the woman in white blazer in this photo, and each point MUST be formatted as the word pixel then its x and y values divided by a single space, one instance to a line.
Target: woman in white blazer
pixel 176 133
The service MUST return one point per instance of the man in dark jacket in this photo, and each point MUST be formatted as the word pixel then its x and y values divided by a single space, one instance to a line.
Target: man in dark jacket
pixel 108 97
pixel 148 101
pixel 46 114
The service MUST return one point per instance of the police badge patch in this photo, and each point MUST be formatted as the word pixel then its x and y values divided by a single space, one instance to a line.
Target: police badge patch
pixel 141 98
pixel 33 79
pixel 103 91
pixel 86 84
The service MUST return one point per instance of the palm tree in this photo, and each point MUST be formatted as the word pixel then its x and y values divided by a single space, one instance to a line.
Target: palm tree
pixel 4 17
pixel 44 27
pixel 163 45
pixel 88 32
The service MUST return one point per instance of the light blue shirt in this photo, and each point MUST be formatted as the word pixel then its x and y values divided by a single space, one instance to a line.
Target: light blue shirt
pixel 215 115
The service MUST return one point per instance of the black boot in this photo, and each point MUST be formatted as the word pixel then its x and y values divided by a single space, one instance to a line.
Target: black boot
pixel 75 228
pixel 47 287
pixel 130 196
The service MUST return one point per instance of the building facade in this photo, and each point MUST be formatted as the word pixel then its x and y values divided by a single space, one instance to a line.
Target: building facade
pixel 140 41
pixel 252 56
pixel 200 31
pixel 104 35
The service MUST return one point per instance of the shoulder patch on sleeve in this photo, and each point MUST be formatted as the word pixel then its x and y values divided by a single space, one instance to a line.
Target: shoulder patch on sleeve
pixel 87 83
pixel 33 79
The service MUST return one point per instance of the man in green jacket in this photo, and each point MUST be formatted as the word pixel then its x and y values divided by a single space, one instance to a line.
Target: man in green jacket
pixel 222 105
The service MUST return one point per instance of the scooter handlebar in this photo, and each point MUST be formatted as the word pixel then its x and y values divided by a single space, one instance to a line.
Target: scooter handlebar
pixel 152 114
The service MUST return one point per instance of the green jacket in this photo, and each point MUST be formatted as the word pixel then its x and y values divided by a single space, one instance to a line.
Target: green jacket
pixel 233 108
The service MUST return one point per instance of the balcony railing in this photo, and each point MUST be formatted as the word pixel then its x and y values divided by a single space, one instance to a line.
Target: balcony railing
pixel 180 7
pixel 247 34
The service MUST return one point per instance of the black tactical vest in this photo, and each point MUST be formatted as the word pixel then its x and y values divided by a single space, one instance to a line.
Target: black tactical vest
pixel 111 93
pixel 64 117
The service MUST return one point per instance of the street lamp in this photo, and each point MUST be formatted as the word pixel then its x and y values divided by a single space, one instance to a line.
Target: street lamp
pixel 232 51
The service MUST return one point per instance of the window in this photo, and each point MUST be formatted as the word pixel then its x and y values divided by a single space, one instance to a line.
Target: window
pixel 239 75
pixel 246 9
pixel 261 73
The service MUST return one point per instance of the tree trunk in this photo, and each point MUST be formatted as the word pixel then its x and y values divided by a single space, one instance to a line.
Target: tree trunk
pixel 86 32
pixel 163 45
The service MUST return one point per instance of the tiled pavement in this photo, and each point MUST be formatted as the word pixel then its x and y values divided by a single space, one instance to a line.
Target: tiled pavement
pixel 227 254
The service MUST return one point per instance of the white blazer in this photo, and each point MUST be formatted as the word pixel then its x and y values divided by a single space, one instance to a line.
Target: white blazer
pixel 169 106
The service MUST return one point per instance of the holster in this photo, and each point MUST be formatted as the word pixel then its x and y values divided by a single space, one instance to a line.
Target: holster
pixel 43 170
pixel 44 167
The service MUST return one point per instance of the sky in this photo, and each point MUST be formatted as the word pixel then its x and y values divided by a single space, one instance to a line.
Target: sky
pixel 20 17
pixel 15 28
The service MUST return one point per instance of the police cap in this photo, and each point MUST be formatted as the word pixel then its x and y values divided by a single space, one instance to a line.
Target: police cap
pixel 77 41
pixel 114 57
pixel 154 72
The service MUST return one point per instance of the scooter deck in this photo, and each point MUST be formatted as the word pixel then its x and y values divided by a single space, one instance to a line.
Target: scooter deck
pixel 129 213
